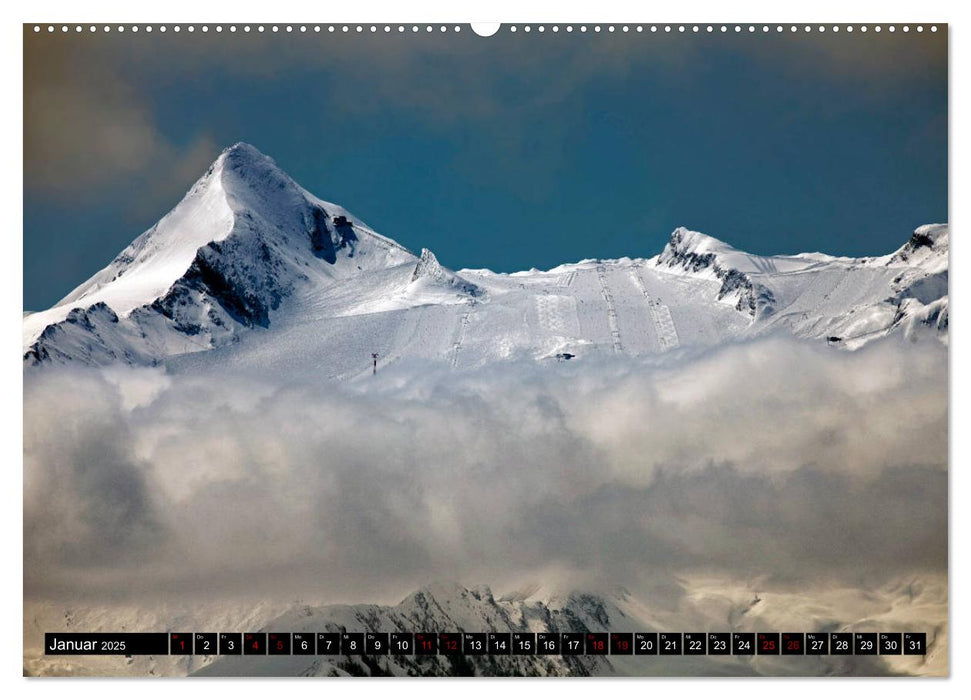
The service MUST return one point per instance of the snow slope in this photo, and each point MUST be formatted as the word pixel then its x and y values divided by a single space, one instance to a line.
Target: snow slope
pixel 257 272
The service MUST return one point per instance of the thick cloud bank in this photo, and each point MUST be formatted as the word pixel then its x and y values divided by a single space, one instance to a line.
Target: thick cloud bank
pixel 773 459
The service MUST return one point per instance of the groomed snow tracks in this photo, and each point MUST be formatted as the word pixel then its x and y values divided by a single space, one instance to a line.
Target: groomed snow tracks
pixel 611 309
pixel 460 333
pixel 664 328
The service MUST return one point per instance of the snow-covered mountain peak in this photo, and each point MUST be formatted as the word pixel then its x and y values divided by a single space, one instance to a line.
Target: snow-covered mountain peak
pixel 933 236
pixel 429 272
pixel 684 241
pixel 428 266
pixel 927 249
pixel 247 155
pixel 243 239
pixel 240 181
pixel 445 591
pixel 245 204
pixel 253 183
pixel 697 252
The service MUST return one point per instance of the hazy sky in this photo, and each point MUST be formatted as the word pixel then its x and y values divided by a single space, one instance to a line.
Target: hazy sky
pixel 508 152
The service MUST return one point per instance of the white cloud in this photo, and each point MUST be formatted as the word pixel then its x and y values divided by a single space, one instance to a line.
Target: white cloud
pixel 773 458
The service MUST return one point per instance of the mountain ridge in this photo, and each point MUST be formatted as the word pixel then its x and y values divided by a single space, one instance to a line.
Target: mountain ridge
pixel 247 241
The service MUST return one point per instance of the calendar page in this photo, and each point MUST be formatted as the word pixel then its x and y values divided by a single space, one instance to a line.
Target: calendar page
pixel 525 349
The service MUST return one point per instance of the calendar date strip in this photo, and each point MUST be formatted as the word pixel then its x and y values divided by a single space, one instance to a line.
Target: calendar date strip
pixel 485 643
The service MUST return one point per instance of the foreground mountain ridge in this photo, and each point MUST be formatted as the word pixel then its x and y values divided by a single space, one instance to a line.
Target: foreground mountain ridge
pixel 250 268
pixel 451 607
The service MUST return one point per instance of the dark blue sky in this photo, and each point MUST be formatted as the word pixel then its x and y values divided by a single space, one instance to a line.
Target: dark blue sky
pixel 510 152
